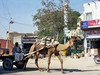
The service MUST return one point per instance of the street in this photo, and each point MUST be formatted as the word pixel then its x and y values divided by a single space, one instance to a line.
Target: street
pixel 82 66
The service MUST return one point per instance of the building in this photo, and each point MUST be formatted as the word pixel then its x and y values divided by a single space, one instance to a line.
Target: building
pixel 91 26
pixel 3 44
pixel 25 40
pixel 17 37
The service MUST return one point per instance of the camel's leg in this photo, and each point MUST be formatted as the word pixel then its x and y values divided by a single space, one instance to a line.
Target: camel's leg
pixel 36 60
pixel 61 61
pixel 49 60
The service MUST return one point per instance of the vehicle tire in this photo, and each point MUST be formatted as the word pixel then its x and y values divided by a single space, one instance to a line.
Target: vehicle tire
pixel 19 65
pixel 96 61
pixel 7 64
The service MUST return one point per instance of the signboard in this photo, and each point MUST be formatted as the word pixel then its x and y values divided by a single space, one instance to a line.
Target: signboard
pixel 84 24
pixel 93 32
pixel 94 23
pixel 90 24
pixel 28 40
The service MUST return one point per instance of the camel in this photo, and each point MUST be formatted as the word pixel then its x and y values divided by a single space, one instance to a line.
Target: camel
pixel 49 50
pixel 61 47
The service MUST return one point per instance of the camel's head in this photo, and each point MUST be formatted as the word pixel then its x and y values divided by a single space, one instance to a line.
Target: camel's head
pixel 76 38
pixel 72 40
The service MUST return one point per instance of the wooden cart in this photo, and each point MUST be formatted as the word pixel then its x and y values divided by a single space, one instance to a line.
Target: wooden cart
pixel 9 61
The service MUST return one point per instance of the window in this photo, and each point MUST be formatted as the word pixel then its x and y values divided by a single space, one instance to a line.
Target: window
pixel 89 16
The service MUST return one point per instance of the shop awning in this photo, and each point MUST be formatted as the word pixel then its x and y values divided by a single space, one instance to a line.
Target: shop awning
pixel 93 37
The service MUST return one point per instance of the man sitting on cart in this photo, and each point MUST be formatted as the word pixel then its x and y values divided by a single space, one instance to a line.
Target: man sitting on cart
pixel 16 51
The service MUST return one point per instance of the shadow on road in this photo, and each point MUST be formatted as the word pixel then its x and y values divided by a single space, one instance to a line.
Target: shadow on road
pixel 15 70
pixel 73 70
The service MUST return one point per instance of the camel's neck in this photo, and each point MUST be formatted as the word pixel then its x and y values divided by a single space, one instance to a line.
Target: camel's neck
pixel 69 43
pixel 65 46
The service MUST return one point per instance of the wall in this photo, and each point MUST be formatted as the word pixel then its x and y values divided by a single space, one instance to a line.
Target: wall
pixel 93 7
pixel 91 21
pixel 3 45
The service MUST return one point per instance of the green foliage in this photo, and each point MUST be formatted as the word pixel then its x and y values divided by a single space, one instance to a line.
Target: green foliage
pixel 72 19
pixel 50 19
pixel 61 37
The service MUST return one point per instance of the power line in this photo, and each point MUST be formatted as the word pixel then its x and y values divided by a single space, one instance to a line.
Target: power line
pixel 5 6
pixel 1 32
pixel 1 36
pixel 4 18
pixel 22 23
pixel 3 26
pixel 16 21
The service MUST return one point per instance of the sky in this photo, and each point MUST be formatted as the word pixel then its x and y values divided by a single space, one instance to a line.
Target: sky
pixel 22 12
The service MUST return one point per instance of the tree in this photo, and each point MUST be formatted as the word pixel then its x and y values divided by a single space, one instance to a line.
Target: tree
pixel 73 19
pixel 50 20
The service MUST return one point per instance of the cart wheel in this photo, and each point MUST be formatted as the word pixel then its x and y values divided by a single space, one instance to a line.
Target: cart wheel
pixel 7 64
pixel 20 65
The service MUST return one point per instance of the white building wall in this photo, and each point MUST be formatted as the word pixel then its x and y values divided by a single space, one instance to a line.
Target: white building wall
pixel 17 39
pixel 94 8
pixel 79 31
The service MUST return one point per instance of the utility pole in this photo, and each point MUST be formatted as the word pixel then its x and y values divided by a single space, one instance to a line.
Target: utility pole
pixel 66 31
pixel 8 32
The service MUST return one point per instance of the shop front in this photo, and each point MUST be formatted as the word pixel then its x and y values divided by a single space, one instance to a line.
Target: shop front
pixel 91 37
pixel 93 41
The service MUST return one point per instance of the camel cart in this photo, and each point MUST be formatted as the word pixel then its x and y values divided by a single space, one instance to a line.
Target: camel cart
pixel 9 61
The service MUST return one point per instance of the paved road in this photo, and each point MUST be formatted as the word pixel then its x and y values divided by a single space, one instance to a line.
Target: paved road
pixel 82 66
